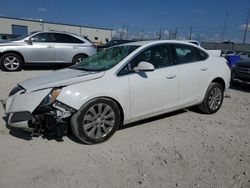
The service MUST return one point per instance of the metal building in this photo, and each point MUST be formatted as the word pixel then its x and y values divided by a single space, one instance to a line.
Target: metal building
pixel 13 27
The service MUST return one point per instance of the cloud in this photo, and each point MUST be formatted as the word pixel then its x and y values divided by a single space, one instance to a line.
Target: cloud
pixel 42 9
pixel 198 12
pixel 243 27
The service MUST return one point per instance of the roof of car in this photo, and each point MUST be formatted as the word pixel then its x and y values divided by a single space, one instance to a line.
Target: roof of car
pixel 141 43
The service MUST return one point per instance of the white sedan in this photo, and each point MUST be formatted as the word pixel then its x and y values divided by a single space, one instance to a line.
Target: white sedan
pixel 117 86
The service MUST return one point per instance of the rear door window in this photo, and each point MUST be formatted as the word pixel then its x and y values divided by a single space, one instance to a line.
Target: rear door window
pixel 188 54
pixel 65 38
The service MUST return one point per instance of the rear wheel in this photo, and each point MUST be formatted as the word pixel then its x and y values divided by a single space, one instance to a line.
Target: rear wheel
pixel 79 58
pixel 213 99
pixel 11 62
pixel 96 121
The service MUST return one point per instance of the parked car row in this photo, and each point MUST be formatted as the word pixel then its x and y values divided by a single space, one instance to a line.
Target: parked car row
pixel 241 71
pixel 148 79
pixel 239 63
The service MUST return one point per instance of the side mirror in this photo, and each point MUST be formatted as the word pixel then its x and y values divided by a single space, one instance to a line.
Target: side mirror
pixel 29 41
pixel 144 66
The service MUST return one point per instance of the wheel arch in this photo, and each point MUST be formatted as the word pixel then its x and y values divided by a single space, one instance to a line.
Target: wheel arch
pixel 79 54
pixel 14 52
pixel 220 81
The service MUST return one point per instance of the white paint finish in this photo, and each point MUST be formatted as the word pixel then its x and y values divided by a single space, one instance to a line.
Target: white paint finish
pixel 59 78
pixel 117 88
pixel 152 92
pixel 25 102
pixel 140 95
pixel 193 81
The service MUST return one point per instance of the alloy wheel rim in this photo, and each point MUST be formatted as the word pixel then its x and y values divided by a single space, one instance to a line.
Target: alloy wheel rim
pixel 99 121
pixel 11 63
pixel 79 60
pixel 214 99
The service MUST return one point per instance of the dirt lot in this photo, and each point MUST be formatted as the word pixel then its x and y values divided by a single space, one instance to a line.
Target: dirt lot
pixel 181 149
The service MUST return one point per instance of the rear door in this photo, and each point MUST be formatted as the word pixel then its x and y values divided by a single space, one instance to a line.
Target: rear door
pixel 66 47
pixel 193 73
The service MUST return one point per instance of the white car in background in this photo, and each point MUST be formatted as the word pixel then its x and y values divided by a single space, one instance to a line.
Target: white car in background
pixel 117 86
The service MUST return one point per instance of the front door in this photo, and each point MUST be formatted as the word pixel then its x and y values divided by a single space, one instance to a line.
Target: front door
pixel 156 91
pixel 41 50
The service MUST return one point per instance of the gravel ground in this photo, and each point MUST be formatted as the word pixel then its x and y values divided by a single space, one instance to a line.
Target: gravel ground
pixel 180 149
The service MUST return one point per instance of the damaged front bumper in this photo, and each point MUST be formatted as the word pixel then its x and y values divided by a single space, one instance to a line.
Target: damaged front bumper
pixel 25 111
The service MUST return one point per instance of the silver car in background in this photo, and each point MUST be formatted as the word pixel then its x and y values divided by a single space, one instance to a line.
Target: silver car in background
pixel 44 47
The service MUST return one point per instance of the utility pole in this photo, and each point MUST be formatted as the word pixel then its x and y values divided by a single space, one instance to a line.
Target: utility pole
pixel 142 34
pixel 198 37
pixel 159 37
pixel 123 28
pixel 190 34
pixel 127 31
pixel 42 24
pixel 224 28
pixel 245 33
pixel 170 33
pixel 175 34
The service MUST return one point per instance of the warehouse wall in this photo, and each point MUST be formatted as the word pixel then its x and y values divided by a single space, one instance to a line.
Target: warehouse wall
pixel 97 35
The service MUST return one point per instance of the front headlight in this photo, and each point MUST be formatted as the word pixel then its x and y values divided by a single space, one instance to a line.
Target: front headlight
pixel 51 97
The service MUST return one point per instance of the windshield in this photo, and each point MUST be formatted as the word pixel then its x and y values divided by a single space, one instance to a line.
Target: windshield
pixel 105 59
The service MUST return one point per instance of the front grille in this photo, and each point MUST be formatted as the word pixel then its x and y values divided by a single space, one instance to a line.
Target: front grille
pixel 243 70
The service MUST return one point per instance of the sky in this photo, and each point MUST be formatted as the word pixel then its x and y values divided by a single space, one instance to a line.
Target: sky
pixel 211 20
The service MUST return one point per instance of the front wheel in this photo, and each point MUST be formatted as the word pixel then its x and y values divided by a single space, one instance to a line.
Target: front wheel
pixel 96 121
pixel 213 99
pixel 11 62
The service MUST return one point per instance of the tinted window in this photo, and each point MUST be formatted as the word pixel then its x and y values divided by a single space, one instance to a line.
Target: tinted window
pixel 42 37
pixel 160 56
pixel 186 54
pixel 202 55
pixel 64 38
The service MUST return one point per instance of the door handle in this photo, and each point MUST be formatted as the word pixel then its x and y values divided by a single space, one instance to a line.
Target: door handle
pixel 203 69
pixel 50 47
pixel 171 76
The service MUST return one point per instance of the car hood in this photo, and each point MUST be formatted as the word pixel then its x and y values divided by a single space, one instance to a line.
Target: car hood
pixel 59 78
pixel 11 43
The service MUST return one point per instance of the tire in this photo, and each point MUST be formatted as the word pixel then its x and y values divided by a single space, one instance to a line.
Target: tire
pixel 11 62
pixel 213 99
pixel 79 58
pixel 96 121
